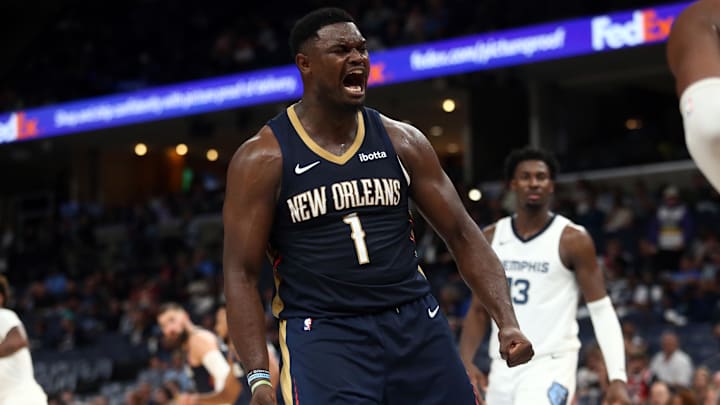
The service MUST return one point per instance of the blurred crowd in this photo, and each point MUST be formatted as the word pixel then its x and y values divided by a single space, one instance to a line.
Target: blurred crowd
pixel 87 49
pixel 90 270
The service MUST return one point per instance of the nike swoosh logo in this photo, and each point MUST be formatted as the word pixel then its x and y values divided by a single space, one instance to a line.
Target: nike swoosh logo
pixel 433 312
pixel 300 170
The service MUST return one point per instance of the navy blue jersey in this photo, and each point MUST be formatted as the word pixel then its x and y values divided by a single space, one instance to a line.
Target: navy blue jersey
pixel 342 241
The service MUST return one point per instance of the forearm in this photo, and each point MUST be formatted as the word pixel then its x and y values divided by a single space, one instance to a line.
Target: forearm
pixel 484 274
pixel 216 398
pixel 609 336
pixel 473 332
pixel 246 321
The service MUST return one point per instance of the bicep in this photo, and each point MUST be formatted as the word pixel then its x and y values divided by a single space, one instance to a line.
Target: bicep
pixel 433 192
pixel 580 252
pixel 252 182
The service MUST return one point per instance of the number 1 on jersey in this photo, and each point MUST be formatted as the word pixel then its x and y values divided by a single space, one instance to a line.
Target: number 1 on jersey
pixel 358 236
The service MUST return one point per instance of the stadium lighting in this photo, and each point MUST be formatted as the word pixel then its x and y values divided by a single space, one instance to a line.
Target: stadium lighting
pixel 474 194
pixel 141 149
pixel 633 124
pixel 436 130
pixel 448 105
pixel 181 149
pixel 453 148
pixel 212 155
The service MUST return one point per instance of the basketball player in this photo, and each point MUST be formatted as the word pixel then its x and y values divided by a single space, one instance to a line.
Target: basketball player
pixel 222 331
pixel 548 260
pixel 326 184
pixel 694 57
pixel 17 381
pixel 206 358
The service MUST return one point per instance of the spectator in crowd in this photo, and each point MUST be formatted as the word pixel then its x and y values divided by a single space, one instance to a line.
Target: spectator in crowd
pixel 659 394
pixel 639 376
pixel 701 385
pixel 672 365
pixel 671 230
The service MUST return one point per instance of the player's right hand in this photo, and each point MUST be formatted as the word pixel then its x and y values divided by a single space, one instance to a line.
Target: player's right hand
pixel 515 348
pixel 264 395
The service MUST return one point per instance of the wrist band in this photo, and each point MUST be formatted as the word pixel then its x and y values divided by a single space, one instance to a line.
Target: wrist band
pixel 258 383
pixel 255 375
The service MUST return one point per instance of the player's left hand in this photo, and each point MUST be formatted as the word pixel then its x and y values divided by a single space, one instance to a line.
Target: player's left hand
pixel 617 394
pixel 515 348
pixel 186 399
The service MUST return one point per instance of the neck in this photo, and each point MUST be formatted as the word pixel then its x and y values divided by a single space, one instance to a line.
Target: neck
pixel 530 221
pixel 332 123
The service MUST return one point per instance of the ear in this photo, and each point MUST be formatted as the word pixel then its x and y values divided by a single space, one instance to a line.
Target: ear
pixel 303 63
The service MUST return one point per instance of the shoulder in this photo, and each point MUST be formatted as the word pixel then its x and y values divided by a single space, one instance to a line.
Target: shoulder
pixel 201 341
pixel 489 231
pixel 261 149
pixel 574 234
pixel 406 139
pixel 8 316
pixel 575 243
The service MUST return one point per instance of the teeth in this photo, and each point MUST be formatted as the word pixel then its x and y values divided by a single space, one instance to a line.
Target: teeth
pixel 354 89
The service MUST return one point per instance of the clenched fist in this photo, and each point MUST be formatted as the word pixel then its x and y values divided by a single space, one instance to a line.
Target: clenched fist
pixel 515 348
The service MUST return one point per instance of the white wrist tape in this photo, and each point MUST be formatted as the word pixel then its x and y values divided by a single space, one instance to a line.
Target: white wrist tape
pixel 700 109
pixel 609 337
pixel 218 367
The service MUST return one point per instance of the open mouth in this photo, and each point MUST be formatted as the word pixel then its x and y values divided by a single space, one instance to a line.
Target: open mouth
pixel 354 83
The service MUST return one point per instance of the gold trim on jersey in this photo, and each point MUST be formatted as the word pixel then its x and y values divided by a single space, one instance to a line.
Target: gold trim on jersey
pixel 319 150
pixel 277 303
pixel 285 379
pixel 420 270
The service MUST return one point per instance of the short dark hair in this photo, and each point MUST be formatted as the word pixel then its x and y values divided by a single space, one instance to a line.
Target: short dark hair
pixel 170 306
pixel 308 26
pixel 4 290
pixel 528 153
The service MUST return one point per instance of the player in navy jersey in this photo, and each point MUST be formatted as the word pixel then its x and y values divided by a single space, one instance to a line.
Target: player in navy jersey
pixel 325 185
pixel 206 357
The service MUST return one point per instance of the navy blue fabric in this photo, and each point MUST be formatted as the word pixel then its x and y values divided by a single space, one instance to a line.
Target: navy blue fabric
pixel 316 260
pixel 397 357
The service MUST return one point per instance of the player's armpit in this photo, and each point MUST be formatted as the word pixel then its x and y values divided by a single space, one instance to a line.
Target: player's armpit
pixel 14 341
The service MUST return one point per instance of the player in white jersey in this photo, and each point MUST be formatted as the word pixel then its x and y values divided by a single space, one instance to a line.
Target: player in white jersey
pixel 17 380
pixel 548 261
pixel 694 58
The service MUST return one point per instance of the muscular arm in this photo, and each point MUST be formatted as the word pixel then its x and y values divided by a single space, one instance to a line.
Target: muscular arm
pixel 14 341
pixel 252 182
pixel 437 200
pixel 577 252
pixel 203 344
pixel 693 49
pixel 475 323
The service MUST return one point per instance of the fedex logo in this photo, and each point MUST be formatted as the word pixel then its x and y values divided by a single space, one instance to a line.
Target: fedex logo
pixel 645 27
pixel 17 127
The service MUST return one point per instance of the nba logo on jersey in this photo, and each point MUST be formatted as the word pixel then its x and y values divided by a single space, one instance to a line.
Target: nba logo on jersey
pixel 307 324
pixel 9 129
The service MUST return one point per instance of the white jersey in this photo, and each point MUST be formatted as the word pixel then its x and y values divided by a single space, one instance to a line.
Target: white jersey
pixel 16 371
pixel 544 292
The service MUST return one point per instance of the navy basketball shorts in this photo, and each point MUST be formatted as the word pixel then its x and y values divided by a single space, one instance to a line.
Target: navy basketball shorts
pixel 405 355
